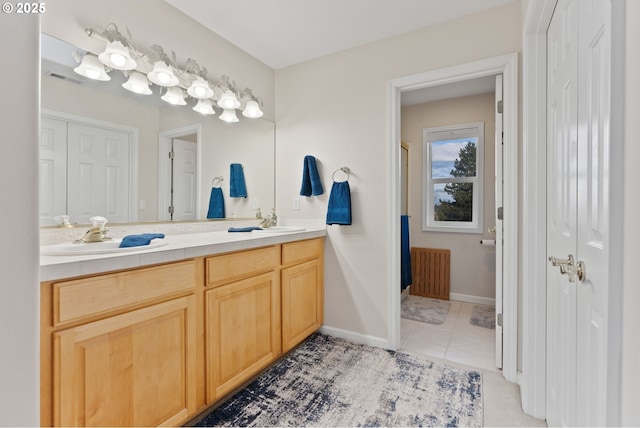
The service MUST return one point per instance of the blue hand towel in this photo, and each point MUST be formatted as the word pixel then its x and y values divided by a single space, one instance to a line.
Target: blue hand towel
pixel 139 240
pixel 339 210
pixel 237 186
pixel 311 184
pixel 216 203
pixel 405 253
pixel 244 229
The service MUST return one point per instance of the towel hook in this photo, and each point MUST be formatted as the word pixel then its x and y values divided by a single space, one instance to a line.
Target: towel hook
pixel 344 169
pixel 217 180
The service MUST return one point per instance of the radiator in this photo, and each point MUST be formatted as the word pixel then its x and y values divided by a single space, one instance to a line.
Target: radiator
pixel 430 270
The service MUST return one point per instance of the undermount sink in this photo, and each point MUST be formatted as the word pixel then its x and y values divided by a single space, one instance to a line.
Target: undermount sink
pixel 106 247
pixel 280 229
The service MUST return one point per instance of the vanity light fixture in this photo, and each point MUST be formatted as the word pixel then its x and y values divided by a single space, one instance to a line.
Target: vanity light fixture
pixel 200 89
pixel 155 66
pixel 204 107
pixel 116 56
pixel 137 83
pixel 228 100
pixel 229 116
pixel 174 96
pixel 252 110
pixel 92 68
pixel 162 75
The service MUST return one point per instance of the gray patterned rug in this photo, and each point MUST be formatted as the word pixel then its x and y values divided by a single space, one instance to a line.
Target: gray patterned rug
pixel 425 309
pixel 483 316
pixel 328 382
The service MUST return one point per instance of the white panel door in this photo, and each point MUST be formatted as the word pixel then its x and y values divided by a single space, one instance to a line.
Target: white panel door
pixel 52 170
pixel 98 174
pixel 593 209
pixel 499 225
pixel 562 138
pixel 578 99
pixel 185 173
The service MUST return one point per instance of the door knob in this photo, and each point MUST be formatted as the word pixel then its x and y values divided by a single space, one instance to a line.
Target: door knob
pixel 492 230
pixel 569 267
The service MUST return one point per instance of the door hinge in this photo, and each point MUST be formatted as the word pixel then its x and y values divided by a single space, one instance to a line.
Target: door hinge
pixel 499 320
pixel 499 107
pixel 500 213
pixel 171 209
pixel 171 154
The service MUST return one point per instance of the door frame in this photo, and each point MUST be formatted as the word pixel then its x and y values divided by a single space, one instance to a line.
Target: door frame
pixel 534 244
pixel 164 167
pixel 507 65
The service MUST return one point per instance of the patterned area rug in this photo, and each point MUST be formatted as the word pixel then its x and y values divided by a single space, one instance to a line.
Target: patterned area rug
pixel 328 381
pixel 483 316
pixel 425 309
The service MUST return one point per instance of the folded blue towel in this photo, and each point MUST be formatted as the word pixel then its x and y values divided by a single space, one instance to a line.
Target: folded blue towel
pixel 405 253
pixel 237 186
pixel 139 240
pixel 311 184
pixel 216 203
pixel 339 209
pixel 244 229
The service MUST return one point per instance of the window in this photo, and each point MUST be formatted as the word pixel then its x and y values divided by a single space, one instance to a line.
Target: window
pixel 452 178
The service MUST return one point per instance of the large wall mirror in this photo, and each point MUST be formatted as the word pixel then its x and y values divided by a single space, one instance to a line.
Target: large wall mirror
pixel 105 151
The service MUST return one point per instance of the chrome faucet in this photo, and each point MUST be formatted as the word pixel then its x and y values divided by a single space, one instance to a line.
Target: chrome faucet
pixel 270 221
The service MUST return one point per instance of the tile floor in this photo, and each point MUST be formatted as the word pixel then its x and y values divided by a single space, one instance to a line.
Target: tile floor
pixel 459 343
pixel 454 340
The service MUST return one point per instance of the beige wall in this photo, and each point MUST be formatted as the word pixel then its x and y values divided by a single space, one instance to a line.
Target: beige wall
pixel 19 305
pixel 473 267
pixel 335 108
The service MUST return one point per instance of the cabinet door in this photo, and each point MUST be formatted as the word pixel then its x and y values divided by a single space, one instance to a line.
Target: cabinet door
pixel 134 369
pixel 302 297
pixel 243 331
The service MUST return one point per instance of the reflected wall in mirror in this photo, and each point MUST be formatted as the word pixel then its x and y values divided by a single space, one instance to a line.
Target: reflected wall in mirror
pixel 105 151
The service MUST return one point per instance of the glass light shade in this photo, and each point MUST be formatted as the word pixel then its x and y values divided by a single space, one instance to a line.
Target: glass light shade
pixel 162 75
pixel 92 68
pixel 229 115
pixel 228 100
pixel 116 55
pixel 252 110
pixel 204 107
pixel 174 96
pixel 200 89
pixel 137 83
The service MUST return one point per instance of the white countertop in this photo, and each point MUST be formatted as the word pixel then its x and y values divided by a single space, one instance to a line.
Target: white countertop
pixel 179 247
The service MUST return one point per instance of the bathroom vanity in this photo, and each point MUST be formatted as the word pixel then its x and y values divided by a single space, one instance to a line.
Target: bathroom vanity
pixel 154 337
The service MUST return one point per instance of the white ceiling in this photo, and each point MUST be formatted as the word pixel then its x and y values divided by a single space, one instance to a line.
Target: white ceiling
pixel 284 32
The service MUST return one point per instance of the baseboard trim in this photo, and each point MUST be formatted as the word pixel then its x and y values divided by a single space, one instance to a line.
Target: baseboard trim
pixel 364 339
pixel 472 299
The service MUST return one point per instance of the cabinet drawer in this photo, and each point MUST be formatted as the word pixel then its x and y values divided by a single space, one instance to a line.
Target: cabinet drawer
pixel 80 298
pixel 230 267
pixel 296 252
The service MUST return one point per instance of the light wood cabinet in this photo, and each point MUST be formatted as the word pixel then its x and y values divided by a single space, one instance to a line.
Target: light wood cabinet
pixel 120 349
pixel 243 331
pixel 156 345
pixel 134 369
pixel 242 317
pixel 302 291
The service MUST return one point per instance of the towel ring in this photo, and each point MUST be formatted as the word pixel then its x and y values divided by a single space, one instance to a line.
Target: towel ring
pixel 217 181
pixel 344 169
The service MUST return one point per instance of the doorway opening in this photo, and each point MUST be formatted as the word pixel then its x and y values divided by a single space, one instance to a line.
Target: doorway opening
pixel 507 67
pixel 451 131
